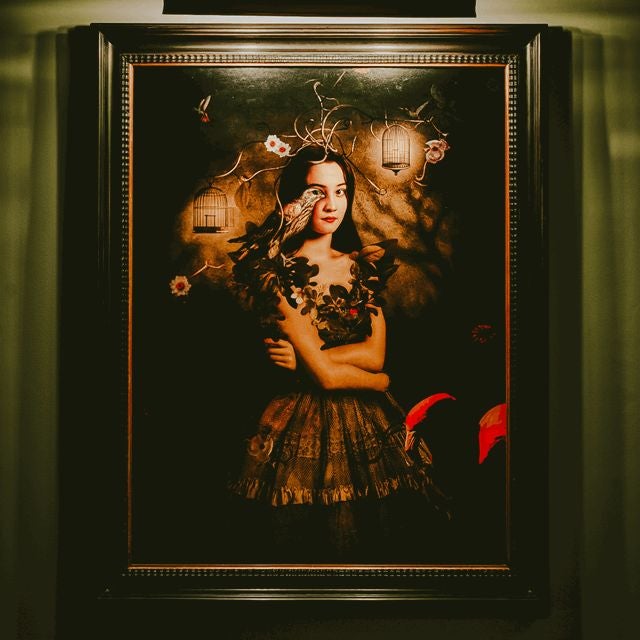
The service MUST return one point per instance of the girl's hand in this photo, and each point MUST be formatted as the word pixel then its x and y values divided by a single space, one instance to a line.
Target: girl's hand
pixel 281 353
pixel 383 381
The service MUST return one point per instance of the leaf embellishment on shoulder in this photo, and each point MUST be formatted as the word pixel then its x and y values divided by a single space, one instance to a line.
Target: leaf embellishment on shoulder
pixel 250 227
pixel 377 263
pixel 378 250
pixel 249 230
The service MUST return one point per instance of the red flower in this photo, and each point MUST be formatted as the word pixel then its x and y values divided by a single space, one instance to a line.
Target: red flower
pixel 483 333
pixel 353 311
pixel 204 117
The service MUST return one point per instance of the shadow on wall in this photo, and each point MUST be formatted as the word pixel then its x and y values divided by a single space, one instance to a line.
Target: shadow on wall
pixel 606 106
pixel 29 225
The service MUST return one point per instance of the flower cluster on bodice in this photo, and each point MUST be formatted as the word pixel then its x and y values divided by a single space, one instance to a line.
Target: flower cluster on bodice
pixel 341 314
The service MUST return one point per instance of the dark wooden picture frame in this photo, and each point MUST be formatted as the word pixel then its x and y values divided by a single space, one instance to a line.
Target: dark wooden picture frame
pixel 149 123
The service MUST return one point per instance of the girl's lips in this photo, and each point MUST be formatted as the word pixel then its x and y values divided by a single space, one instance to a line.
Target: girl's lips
pixel 329 219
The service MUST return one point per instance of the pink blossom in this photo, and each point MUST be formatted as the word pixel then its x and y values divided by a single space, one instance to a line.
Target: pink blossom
pixel 435 150
pixel 260 447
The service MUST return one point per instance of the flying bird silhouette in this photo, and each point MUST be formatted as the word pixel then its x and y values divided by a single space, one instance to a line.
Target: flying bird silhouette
pixel 415 113
pixel 280 225
pixel 201 109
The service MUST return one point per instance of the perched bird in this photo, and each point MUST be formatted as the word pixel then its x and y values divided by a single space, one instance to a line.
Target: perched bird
pixel 280 225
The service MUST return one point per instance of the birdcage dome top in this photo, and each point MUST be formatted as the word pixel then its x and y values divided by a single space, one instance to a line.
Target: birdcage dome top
pixel 211 196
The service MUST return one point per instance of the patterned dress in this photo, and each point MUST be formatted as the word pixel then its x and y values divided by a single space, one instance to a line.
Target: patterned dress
pixel 331 465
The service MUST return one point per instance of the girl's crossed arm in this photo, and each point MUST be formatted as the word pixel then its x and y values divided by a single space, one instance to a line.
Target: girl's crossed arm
pixel 355 366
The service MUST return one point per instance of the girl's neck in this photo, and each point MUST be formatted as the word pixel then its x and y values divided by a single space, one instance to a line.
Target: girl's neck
pixel 317 248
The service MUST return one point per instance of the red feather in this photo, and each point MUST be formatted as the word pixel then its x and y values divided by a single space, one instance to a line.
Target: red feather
pixel 418 413
pixel 493 428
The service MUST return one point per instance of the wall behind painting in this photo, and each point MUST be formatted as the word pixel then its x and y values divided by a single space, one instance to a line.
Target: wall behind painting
pixel 594 319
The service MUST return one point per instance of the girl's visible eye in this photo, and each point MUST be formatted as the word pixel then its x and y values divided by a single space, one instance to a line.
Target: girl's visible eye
pixel 341 192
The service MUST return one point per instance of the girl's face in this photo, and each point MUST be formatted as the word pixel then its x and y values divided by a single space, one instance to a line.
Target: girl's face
pixel 329 211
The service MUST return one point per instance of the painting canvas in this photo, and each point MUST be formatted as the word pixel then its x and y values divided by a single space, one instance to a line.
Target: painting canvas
pixel 226 453
pixel 201 376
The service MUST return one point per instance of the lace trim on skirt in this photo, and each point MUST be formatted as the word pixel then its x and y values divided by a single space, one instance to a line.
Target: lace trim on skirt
pixel 255 488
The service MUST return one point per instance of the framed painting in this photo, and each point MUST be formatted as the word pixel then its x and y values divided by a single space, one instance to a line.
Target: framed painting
pixel 306 265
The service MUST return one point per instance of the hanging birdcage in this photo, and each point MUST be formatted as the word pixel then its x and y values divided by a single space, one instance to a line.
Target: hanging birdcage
pixel 395 148
pixel 211 211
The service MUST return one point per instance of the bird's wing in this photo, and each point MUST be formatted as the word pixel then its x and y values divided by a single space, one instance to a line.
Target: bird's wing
pixel 422 106
pixel 277 227
pixel 257 238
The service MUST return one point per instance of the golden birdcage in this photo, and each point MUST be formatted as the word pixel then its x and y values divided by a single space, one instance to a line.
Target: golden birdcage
pixel 211 211
pixel 395 148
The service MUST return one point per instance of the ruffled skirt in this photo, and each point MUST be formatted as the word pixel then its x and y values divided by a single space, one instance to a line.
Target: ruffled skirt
pixel 335 462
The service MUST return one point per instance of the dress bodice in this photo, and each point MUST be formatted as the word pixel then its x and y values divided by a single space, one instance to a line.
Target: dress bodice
pixel 341 314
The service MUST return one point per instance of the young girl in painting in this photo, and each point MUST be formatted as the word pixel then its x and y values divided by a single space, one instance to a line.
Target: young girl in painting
pixel 327 468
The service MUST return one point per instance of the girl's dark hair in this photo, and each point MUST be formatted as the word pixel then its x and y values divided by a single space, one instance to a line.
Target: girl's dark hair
pixel 293 181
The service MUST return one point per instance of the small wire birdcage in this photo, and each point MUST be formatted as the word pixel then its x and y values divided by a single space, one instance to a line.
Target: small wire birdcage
pixel 395 148
pixel 211 211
